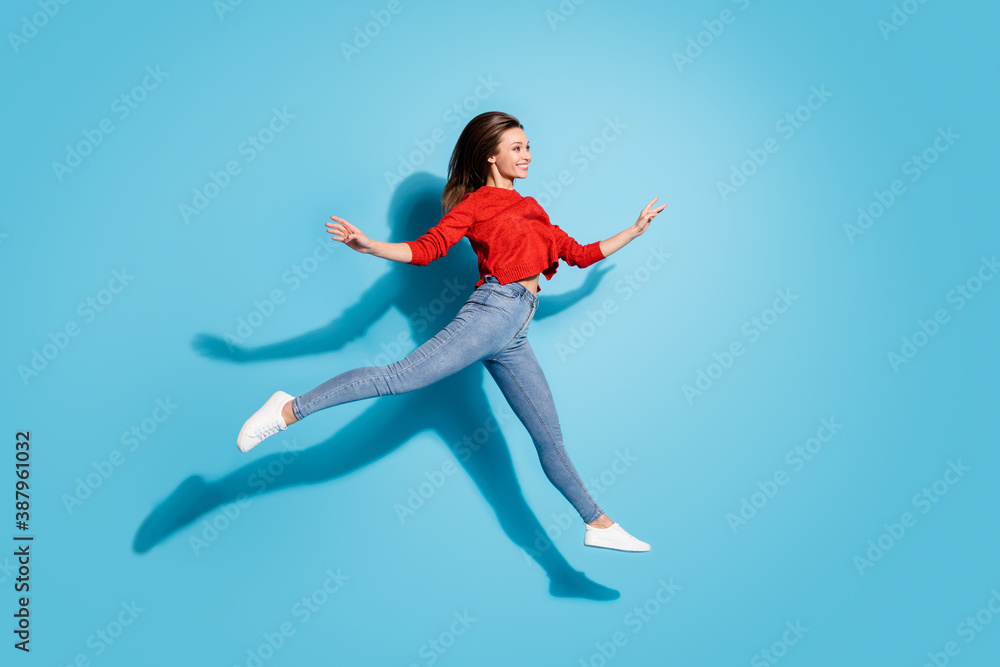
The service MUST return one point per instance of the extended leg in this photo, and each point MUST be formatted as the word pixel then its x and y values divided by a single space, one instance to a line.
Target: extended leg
pixel 520 378
pixel 462 342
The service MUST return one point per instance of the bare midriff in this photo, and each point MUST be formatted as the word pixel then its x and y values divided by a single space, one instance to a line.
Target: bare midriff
pixel 531 283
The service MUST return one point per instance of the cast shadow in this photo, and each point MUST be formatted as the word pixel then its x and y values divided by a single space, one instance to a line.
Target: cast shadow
pixel 455 408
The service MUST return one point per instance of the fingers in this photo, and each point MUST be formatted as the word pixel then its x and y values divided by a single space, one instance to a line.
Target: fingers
pixel 351 229
pixel 646 211
pixel 650 214
pixel 341 225
pixel 342 230
pixel 647 215
pixel 338 231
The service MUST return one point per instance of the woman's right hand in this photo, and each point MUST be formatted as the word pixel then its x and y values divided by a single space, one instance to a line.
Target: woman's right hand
pixel 353 237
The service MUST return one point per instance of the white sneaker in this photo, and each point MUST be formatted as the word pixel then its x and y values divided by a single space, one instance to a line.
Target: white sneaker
pixel 266 421
pixel 613 537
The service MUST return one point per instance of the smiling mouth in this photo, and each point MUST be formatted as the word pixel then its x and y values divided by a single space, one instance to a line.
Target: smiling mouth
pixel 522 166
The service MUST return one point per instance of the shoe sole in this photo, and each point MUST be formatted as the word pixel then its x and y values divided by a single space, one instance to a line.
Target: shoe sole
pixel 601 546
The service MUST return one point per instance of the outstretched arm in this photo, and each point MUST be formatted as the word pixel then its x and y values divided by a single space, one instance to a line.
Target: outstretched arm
pixel 583 256
pixel 432 245
pixel 354 238
pixel 624 237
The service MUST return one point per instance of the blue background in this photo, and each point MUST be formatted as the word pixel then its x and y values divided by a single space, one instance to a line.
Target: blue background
pixel 682 128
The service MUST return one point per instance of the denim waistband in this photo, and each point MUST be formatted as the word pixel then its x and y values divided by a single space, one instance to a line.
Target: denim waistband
pixel 518 287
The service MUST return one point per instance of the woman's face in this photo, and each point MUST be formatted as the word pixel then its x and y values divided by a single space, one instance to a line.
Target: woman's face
pixel 513 155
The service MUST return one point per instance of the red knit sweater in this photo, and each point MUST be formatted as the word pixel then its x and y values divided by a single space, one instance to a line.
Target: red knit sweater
pixel 511 234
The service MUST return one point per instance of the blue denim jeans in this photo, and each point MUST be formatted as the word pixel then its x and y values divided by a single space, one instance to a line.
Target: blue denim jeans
pixel 491 327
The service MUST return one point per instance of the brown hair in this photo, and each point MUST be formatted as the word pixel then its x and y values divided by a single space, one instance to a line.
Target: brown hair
pixel 468 169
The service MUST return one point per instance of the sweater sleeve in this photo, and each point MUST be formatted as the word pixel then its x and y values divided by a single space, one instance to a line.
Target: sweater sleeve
pixel 446 233
pixel 575 254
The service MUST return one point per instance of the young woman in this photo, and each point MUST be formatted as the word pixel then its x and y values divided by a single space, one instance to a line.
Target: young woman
pixel 515 243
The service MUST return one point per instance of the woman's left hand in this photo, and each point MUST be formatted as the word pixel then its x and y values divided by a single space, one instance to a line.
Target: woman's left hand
pixel 646 217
